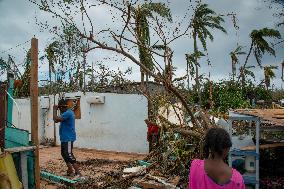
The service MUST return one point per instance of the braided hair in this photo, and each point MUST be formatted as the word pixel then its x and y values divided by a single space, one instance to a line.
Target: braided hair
pixel 216 140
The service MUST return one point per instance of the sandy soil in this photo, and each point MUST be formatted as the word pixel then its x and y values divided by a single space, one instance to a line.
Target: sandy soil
pixel 94 163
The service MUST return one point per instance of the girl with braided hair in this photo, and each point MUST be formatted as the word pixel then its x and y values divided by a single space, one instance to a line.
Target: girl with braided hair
pixel 213 172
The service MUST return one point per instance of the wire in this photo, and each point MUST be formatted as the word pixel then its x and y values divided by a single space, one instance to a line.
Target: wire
pixel 5 51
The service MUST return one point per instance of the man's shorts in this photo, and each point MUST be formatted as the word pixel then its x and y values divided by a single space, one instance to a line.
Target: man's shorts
pixel 67 152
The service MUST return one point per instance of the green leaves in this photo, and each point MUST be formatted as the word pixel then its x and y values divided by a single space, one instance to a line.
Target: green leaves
pixel 52 52
pixel 142 28
pixel 234 57
pixel 205 18
pixel 260 45
pixel 269 74
pixel 3 64
pixel 159 8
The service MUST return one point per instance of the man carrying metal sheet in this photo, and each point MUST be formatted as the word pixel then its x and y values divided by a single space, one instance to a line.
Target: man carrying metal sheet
pixel 67 136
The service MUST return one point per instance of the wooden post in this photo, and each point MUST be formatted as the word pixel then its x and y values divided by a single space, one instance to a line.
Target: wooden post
pixel 34 107
pixel 3 114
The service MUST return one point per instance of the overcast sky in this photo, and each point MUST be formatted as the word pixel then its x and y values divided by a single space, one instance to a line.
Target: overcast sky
pixel 18 25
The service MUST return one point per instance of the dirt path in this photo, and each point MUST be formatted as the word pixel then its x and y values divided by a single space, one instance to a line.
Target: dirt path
pixel 94 163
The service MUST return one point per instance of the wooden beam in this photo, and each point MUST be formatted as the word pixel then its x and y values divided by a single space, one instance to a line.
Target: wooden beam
pixel 20 149
pixel 3 114
pixel 34 107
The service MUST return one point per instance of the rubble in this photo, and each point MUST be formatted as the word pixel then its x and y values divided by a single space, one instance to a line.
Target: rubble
pixel 166 167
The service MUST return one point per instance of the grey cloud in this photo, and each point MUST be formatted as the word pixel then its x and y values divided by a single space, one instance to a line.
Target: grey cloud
pixel 18 25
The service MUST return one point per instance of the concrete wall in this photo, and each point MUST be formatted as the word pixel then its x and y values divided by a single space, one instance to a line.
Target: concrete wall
pixel 116 125
pixel 173 114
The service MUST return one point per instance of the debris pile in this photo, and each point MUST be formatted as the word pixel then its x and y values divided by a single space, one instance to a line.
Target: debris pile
pixel 167 166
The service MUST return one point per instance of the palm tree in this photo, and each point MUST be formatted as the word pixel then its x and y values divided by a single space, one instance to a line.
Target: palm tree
pixel 203 19
pixel 245 71
pixel 269 74
pixel 142 14
pixel 51 51
pixel 234 57
pixel 190 64
pixel 259 45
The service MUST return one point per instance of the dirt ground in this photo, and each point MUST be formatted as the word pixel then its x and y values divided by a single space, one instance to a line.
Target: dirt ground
pixel 94 163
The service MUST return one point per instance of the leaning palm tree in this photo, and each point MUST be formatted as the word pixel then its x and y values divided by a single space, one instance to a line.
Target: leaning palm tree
pixel 234 58
pixel 141 15
pixel 259 45
pixel 269 74
pixel 204 18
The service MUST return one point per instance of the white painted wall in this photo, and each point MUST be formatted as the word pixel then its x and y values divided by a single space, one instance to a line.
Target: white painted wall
pixel 173 115
pixel 116 125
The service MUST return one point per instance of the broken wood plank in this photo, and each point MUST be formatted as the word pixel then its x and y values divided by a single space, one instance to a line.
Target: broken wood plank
pixel 149 184
pixel 140 173
pixel 20 149
pixel 161 181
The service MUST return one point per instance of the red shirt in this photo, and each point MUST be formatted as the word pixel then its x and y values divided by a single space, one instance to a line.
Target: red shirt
pixel 152 128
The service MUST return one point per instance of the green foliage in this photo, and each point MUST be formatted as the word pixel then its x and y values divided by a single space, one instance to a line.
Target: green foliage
pixel 24 90
pixel 190 60
pixel 228 95
pixel 3 66
pixel 269 74
pixel 234 58
pixel 260 45
pixel 277 95
pixel 52 52
pixel 262 93
pixel 231 95
pixel 141 14
pixel 204 19
pixel 159 8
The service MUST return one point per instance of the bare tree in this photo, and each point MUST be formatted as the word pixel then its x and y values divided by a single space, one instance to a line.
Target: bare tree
pixel 75 18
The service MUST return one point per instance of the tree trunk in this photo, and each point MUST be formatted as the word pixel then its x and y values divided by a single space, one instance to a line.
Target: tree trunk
pixel 142 77
pixel 197 84
pixel 49 74
pixel 211 93
pixel 84 76
pixel 246 61
pixel 93 77
pixel 187 70
pixel 243 77
pixel 233 70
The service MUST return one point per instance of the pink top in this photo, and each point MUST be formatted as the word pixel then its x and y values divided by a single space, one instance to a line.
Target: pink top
pixel 199 179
